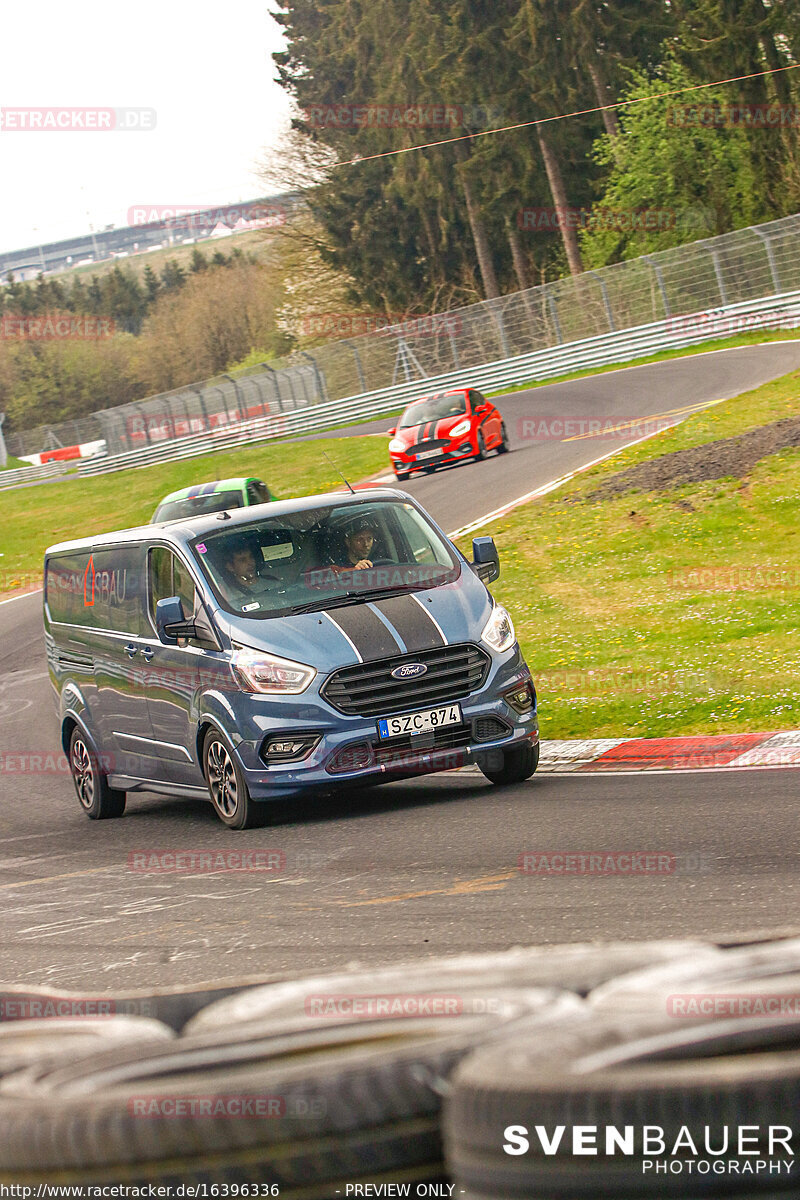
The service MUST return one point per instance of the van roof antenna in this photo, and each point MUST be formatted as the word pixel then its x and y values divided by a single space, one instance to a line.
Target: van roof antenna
pixel 338 472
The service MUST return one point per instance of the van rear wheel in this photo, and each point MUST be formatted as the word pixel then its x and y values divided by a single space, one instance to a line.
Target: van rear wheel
pixel 98 800
pixel 226 783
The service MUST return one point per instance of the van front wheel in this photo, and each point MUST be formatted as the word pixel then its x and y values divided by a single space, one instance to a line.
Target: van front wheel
pixel 514 765
pixel 226 784
pixel 98 800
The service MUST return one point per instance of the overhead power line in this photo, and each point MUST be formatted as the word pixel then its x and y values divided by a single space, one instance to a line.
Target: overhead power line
pixel 580 112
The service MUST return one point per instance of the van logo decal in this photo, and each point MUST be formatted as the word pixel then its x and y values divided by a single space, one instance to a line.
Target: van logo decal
pixel 88 583
pixel 409 671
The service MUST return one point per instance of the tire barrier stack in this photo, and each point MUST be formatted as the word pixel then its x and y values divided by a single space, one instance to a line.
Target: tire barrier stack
pixel 620 1070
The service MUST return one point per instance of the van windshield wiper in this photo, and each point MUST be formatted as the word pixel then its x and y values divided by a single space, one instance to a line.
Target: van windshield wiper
pixel 359 594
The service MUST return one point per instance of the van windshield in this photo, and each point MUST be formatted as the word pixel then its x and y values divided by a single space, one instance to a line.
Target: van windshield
pixel 323 557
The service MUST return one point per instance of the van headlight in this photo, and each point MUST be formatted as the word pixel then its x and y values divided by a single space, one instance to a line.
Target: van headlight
pixel 457 430
pixel 396 446
pixel 257 671
pixel 499 630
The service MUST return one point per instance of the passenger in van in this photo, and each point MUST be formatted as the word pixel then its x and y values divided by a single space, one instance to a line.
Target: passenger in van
pixel 240 567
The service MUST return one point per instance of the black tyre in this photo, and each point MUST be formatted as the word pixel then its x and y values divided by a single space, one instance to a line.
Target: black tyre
pixel 514 765
pixel 31 1043
pixel 576 968
pixel 503 448
pixel 349 1100
pixel 481 455
pixel 226 784
pixel 97 799
pixel 401 476
pixel 772 968
pixel 624 1072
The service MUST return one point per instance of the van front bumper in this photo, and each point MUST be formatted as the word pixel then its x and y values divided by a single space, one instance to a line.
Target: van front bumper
pixel 349 753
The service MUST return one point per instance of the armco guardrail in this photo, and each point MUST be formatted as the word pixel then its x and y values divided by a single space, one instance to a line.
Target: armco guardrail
pixel 731 269
pixel 589 353
pixel 20 476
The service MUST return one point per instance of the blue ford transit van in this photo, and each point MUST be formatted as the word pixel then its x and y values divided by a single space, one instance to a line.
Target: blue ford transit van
pixel 268 652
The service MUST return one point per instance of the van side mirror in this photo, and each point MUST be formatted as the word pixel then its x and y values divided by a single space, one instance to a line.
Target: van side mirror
pixel 391 432
pixel 171 623
pixel 486 560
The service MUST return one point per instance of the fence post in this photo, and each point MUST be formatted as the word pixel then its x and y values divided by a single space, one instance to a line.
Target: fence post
pixel 3 451
pixel 323 391
pixel 764 238
pixel 723 291
pixel 238 394
pixel 656 269
pixel 198 391
pixel 604 289
pixel 359 366
pixel 267 367
pixel 551 304
pixel 498 320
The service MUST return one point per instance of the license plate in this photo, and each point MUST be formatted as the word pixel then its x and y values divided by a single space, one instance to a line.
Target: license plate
pixel 420 722
pixel 427 454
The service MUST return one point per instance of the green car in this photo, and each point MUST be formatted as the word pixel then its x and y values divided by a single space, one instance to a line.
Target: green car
pixel 211 497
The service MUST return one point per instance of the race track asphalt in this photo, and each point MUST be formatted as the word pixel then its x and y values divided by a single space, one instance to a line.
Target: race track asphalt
pixel 409 870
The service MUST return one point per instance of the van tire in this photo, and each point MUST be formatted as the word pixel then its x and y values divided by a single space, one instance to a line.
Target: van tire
pixel 97 799
pixel 514 765
pixel 227 788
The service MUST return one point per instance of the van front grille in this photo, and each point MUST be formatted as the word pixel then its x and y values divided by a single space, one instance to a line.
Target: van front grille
pixel 369 690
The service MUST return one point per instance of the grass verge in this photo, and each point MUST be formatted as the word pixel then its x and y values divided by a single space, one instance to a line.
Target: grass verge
pixel 35 517
pixel 669 612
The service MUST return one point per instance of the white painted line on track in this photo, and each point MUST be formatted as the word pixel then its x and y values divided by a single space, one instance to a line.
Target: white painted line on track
pixel 22 596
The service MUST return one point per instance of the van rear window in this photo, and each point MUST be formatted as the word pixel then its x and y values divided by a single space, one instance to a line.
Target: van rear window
pixel 97 588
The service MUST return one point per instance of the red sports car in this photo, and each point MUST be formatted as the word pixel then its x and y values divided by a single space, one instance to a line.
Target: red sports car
pixel 447 427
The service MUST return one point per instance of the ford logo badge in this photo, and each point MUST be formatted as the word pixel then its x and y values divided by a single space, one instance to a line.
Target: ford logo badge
pixel 409 671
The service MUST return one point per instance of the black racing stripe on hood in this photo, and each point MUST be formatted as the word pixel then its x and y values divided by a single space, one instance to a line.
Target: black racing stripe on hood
pixel 366 631
pixel 412 623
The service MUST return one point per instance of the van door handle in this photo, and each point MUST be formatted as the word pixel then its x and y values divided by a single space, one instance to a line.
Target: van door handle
pixel 131 650
pixel 148 653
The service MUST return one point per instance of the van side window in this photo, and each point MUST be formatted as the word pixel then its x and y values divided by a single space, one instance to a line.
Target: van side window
pixel 117 592
pixel 169 577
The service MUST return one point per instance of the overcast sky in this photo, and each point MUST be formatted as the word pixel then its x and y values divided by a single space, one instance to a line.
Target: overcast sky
pixel 204 67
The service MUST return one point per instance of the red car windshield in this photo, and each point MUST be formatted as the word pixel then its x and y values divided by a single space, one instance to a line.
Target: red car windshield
pixel 453 404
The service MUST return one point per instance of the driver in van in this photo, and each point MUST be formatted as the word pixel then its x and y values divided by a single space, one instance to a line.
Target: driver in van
pixel 359 539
